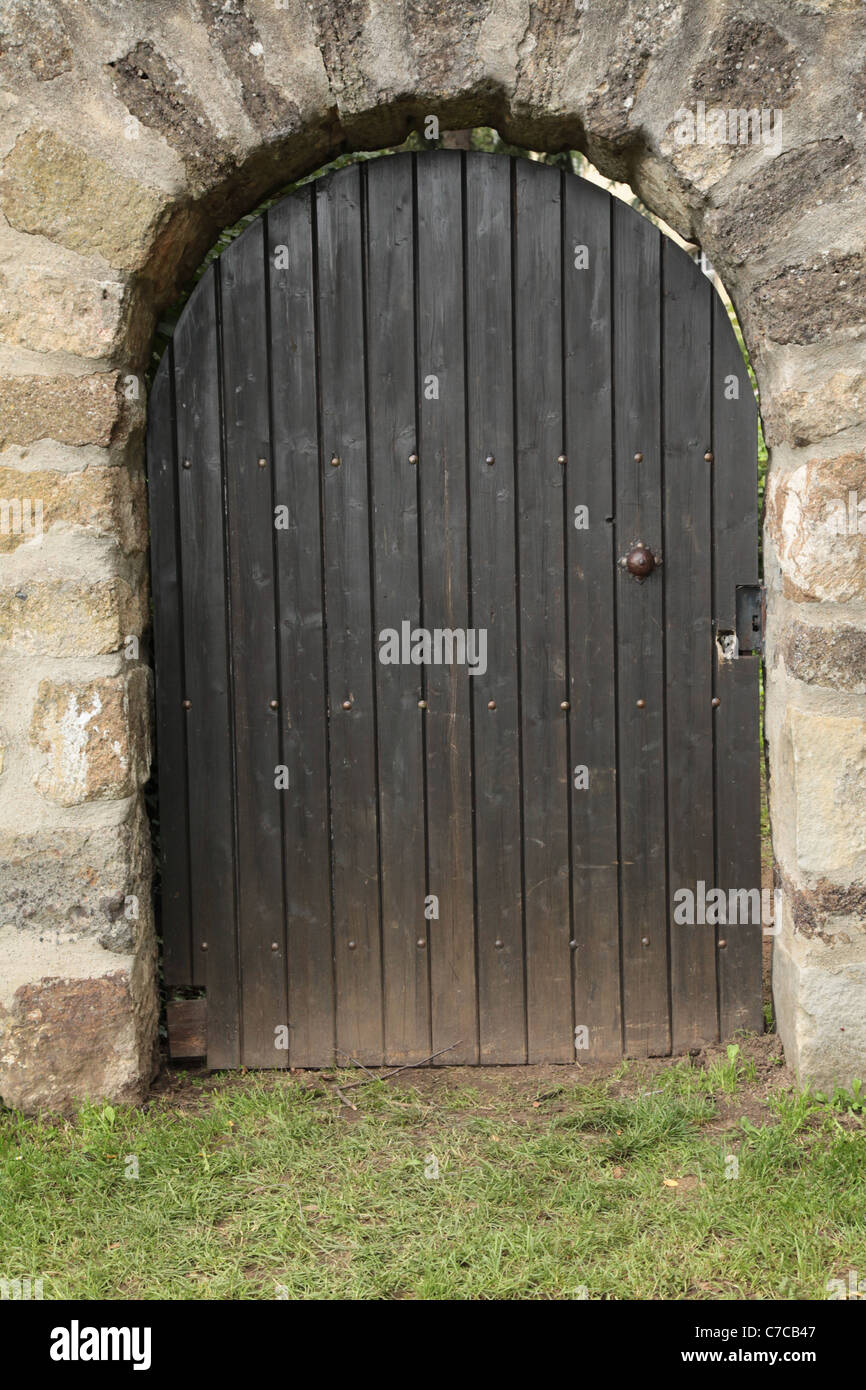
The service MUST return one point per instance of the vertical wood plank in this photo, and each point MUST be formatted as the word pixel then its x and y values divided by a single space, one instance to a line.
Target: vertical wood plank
pixel 176 921
pixel 735 550
pixel 687 575
pixel 208 722
pixel 445 570
pixel 303 697
pixel 253 630
pixel 501 962
pixel 541 561
pixel 353 733
pixel 590 567
pixel 640 636
pixel 390 274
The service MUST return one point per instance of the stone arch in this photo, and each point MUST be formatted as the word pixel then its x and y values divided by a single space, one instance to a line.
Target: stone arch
pixel 128 139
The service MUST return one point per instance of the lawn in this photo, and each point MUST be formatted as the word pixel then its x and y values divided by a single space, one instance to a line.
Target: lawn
pixel 696 1178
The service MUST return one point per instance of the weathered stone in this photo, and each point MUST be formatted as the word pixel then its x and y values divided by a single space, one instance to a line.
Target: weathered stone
pixel 33 38
pixel 828 911
pixel 71 884
pixel 813 518
pixel 548 52
pixel 76 1035
pixel 70 409
pixel 801 417
pixel 818 993
pixel 806 303
pixel 828 656
pixel 829 794
pixel 104 501
pixel 153 89
pixel 57 190
pixel 829 6
pixel 749 63
pixel 644 29
pixel 93 738
pixel 360 44
pixel 52 304
pixel 66 617
pixel 765 206
pixel 819 981
pixel 234 32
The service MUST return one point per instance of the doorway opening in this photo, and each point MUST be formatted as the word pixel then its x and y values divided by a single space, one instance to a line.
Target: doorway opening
pixel 653 1031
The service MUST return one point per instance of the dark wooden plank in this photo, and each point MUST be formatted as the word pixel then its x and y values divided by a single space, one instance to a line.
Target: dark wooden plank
pixel 540 502
pixel 640 636
pixel 208 721
pixel 586 278
pixel 355 863
pixel 445 582
pixel 176 921
pixel 186 1022
pixel 687 576
pixel 297 486
pixel 737 782
pixel 499 893
pixel 389 280
pixel 258 751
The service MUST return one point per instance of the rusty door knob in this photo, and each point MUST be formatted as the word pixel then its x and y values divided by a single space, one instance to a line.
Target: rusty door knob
pixel 640 561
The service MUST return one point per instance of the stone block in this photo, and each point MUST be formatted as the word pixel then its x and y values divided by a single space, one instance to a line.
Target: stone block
pixel 814 518
pixel 103 501
pixel 78 1026
pixel 90 742
pixel 70 617
pixel 58 190
pixel 70 409
pixel 66 884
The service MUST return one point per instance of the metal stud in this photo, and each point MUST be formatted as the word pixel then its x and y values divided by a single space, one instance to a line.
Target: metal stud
pixel 413 458
pixel 564 704
pixel 573 945
pixel 187 704
pixel 204 945
pixel 708 456
pixel 275 946
pixel 347 704
pixel 263 463
pixel 641 704
pixel 422 704
pixel 490 460
pixel 638 458
pixel 722 944
pixel 187 463
pixel 351 945
pixel 563 459
pixel 421 943
pixel 335 462
pixel 491 704
pixel 499 943
pixel 274 704
pixel 644 941
pixel 639 561
pixel 716 702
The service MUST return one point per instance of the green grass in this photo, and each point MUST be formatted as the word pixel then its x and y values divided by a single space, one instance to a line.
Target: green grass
pixel 250 1186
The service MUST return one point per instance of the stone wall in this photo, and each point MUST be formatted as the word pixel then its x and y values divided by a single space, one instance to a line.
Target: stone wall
pixel 129 135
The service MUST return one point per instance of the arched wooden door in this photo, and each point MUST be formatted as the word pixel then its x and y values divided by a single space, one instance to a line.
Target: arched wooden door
pixel 435 757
